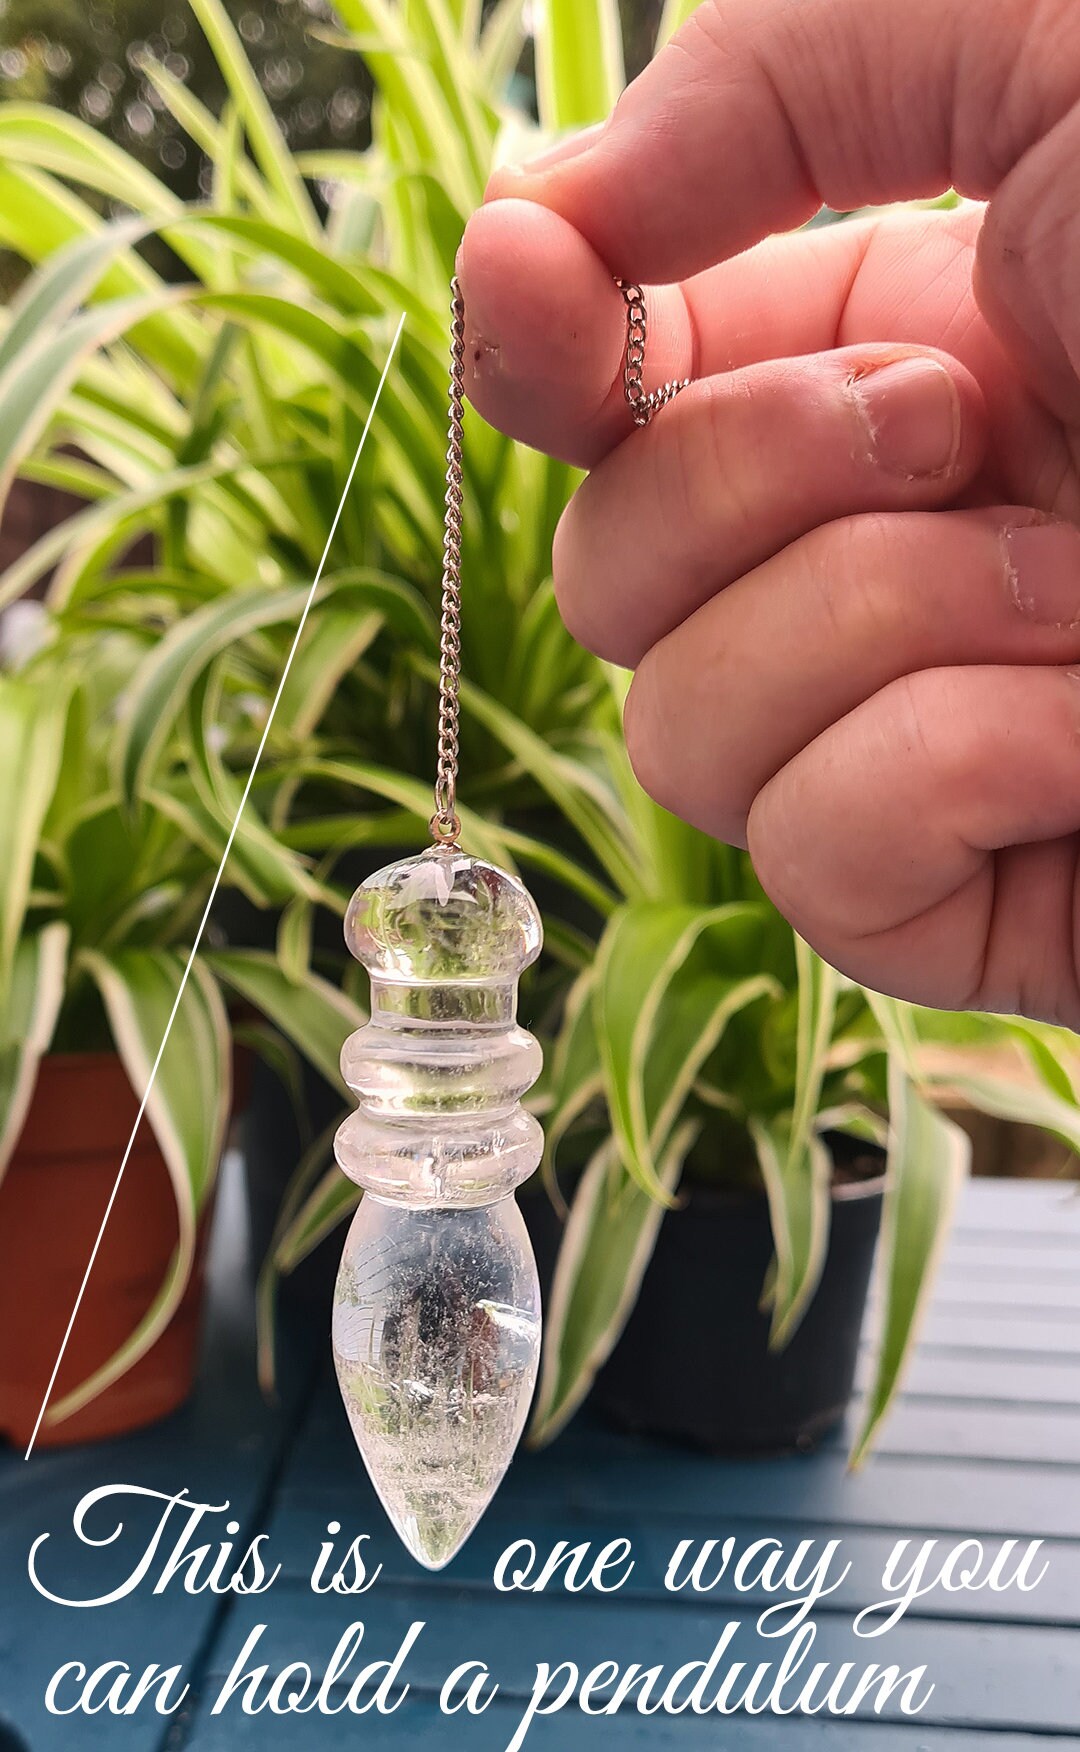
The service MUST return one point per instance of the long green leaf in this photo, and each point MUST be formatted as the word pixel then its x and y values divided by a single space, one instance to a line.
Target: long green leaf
pixel 485 839
pixel 579 64
pixel 333 1199
pixel 576 1077
pixel 164 682
pixel 1022 1103
pixel 71 546
pixel 501 44
pixel 299 1218
pixel 794 1162
pixel 32 723
pixel 569 785
pixel 412 97
pixel 312 1013
pixel 675 14
pixel 61 284
pixel 29 1018
pixel 929 1157
pixel 210 137
pixel 39 375
pixel 39 136
pixel 797 1184
pixel 272 869
pixel 650 1060
pixel 335 638
pixel 818 985
pixel 187 1109
pixel 267 142
pixel 38 215
pixel 607 1244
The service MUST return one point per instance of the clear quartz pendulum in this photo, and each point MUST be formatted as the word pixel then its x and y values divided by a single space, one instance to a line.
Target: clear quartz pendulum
pixel 436 1324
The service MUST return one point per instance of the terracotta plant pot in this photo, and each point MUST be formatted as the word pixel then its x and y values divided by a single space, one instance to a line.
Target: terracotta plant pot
pixel 52 1200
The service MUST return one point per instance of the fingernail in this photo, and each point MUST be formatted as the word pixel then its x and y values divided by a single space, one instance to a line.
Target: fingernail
pixel 910 411
pixel 570 146
pixel 1042 562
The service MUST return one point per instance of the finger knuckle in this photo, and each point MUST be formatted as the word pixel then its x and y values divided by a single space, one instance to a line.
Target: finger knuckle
pixel 935 721
pixel 852 565
pixel 700 473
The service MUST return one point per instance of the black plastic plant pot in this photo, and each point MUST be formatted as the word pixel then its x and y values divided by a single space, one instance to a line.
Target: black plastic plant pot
pixel 694 1362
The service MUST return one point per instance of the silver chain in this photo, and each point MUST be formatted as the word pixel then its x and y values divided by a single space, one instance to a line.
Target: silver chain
pixel 641 405
pixel 445 825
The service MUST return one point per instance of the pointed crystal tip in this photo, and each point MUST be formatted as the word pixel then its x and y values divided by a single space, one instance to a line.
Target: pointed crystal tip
pixel 436 1342
pixel 432 1540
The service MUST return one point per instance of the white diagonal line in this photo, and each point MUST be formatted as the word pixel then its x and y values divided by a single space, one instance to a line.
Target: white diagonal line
pixel 217 879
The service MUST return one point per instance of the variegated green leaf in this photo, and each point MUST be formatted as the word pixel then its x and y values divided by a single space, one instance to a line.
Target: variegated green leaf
pixel 929 1157
pixel 32 722
pixel 314 1202
pixel 675 13
pixel 576 1078
pixel 656 1030
pixel 29 1018
pixel 794 1162
pixel 268 144
pixel 311 1012
pixel 579 63
pixel 164 681
pixel 797 1184
pixel 187 1108
pixel 607 1244
pixel 328 1204
pixel 35 380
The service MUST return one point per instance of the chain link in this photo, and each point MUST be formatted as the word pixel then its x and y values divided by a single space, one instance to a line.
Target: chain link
pixel 642 406
pixel 445 825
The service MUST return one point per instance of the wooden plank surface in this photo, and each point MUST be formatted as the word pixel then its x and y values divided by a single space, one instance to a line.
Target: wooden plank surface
pixel 986 1676
pixel 985 1445
pixel 426 1727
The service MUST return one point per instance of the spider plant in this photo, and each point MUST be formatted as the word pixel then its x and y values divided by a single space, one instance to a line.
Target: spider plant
pixel 690 1033
pixel 97 910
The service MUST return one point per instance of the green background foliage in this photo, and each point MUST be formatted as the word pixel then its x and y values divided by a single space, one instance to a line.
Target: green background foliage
pixel 204 412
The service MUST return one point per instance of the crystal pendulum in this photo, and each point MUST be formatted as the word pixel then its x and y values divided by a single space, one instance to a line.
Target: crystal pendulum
pixel 436 1325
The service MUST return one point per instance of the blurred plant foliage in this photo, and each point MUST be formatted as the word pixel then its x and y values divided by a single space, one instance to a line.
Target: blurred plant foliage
pixel 88 60
pixel 689 1032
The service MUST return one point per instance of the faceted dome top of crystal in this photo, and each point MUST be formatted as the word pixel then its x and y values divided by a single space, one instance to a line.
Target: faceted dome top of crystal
pixel 442 917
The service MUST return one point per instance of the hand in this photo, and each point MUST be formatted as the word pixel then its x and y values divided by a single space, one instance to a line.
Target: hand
pixel 845 564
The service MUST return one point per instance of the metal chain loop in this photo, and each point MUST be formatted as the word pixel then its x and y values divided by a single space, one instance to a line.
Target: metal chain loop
pixel 642 406
pixel 445 825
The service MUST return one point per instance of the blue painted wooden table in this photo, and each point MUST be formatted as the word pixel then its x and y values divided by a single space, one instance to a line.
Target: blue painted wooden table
pixel 986 1445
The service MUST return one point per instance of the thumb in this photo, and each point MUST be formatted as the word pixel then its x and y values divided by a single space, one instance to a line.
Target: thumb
pixel 759 111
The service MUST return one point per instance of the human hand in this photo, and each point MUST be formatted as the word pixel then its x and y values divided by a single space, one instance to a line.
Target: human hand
pixel 845 564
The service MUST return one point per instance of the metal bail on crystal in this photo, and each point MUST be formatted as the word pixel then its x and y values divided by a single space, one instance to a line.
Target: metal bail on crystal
pixel 436 1324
